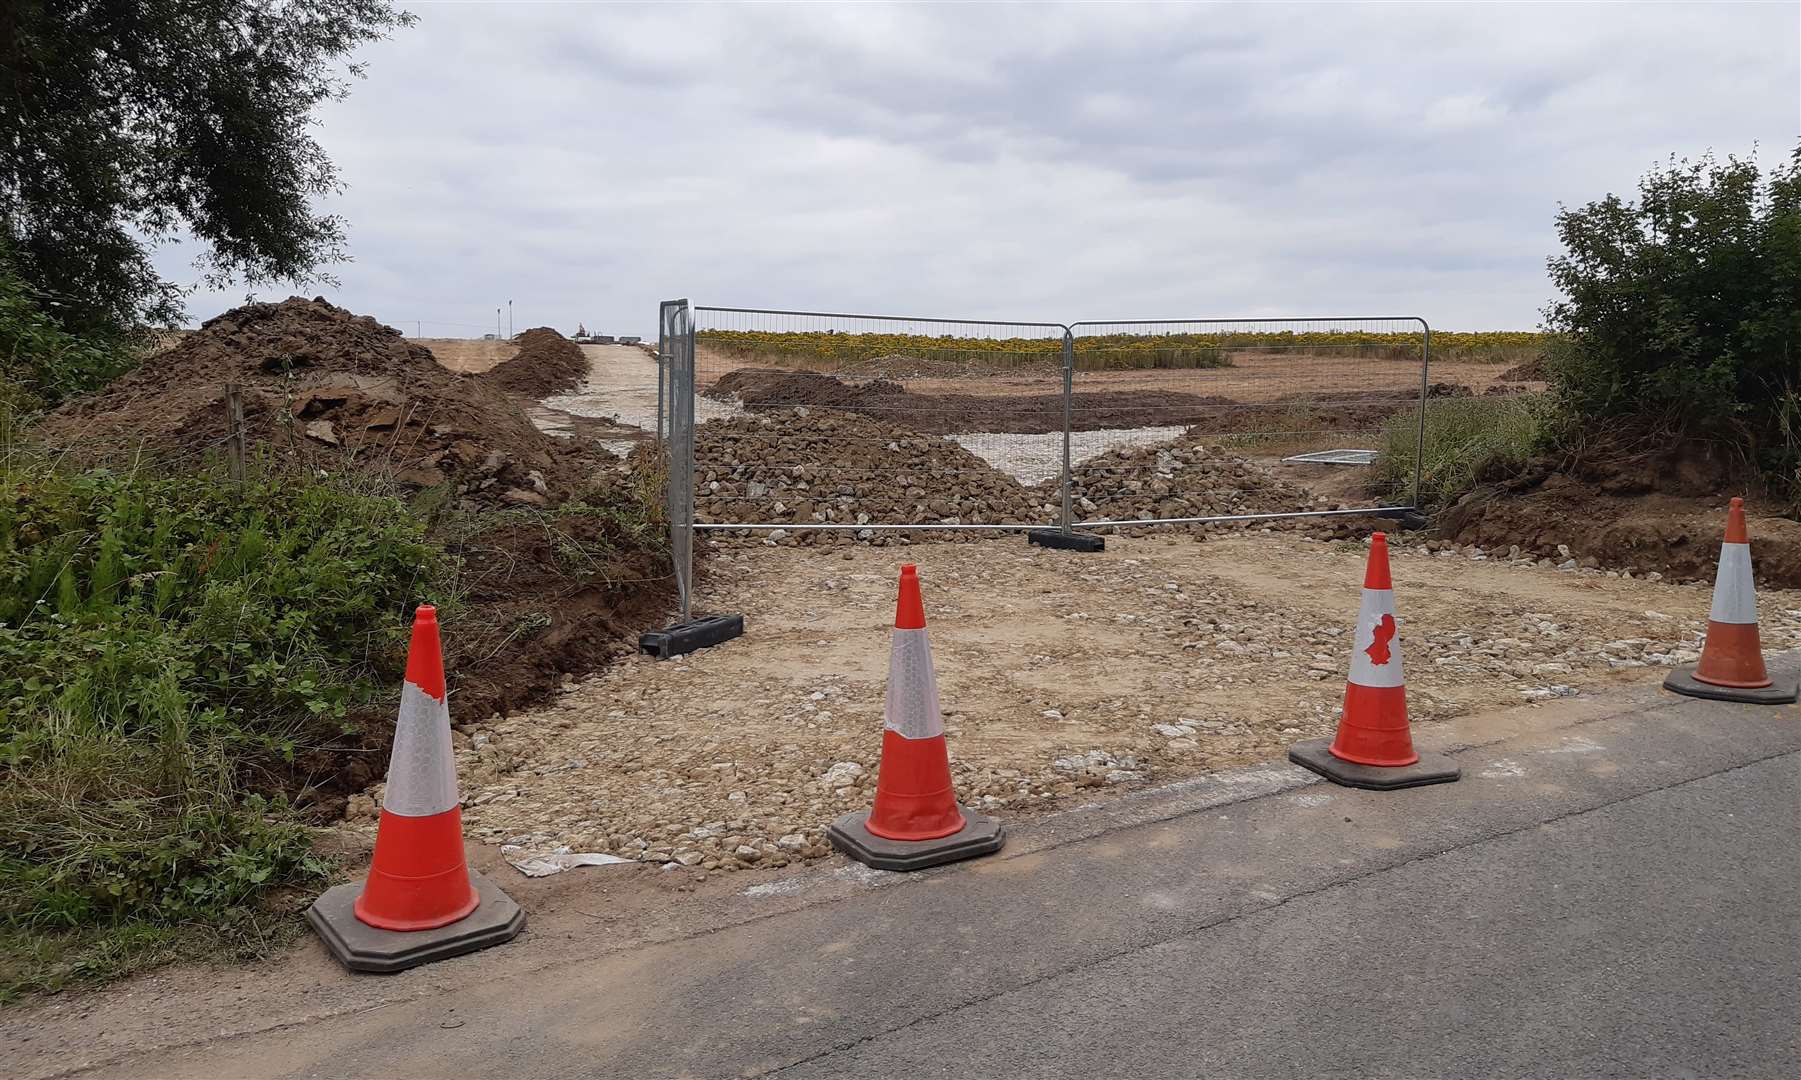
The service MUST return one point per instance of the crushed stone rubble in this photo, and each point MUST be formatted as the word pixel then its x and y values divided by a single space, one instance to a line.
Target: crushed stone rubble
pixel 1060 678
pixel 802 467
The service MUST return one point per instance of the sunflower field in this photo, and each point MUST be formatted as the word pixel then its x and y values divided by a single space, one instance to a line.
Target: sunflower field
pixel 829 350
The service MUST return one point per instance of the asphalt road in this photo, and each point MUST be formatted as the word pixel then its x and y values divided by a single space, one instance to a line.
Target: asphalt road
pixel 1615 895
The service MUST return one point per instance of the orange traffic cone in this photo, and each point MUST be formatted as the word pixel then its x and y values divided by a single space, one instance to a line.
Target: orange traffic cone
pixel 916 821
pixel 1374 746
pixel 1731 667
pixel 421 902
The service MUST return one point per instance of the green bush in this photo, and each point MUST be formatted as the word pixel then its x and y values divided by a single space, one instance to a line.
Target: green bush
pixel 1681 312
pixel 1465 439
pixel 159 636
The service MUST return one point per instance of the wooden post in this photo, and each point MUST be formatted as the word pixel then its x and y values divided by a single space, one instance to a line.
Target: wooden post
pixel 234 418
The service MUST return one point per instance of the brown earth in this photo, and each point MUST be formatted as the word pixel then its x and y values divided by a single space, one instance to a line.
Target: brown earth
pixel 1676 535
pixel 1338 409
pixel 548 598
pixel 325 389
pixel 546 363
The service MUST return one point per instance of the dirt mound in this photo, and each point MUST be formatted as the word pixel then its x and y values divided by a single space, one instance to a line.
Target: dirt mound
pixel 765 389
pixel 331 390
pixel 811 468
pixel 546 363
pixel 1532 370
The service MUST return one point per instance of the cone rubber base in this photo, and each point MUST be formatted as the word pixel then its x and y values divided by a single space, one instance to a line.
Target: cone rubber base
pixel 361 947
pixel 1065 541
pixel 1683 681
pixel 1429 769
pixel 982 835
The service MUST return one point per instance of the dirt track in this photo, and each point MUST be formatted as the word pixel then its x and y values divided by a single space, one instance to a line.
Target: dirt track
pixel 469 355
pixel 1062 676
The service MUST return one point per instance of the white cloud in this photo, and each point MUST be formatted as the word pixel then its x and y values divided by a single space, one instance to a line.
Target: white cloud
pixel 1058 162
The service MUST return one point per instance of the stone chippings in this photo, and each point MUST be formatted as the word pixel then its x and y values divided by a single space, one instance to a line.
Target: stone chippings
pixel 702 763
pixel 806 467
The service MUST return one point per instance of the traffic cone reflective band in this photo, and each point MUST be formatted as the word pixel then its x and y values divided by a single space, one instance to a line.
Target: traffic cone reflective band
pixel 419 879
pixel 1373 729
pixel 1732 655
pixel 1374 745
pixel 916 821
pixel 1731 666
pixel 420 902
pixel 914 799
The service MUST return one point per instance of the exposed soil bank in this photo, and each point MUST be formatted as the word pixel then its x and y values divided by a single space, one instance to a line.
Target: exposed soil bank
pixel 1677 535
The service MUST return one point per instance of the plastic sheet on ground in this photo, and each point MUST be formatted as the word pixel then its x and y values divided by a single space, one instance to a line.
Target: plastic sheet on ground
pixel 554 861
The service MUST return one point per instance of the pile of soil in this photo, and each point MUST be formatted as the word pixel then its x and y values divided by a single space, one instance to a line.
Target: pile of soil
pixel 546 363
pixel 1532 370
pixel 326 389
pixel 813 468
pixel 1663 512
pixel 1186 478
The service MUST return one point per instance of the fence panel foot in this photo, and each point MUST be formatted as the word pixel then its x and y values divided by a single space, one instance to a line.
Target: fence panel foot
pixel 1065 541
pixel 685 637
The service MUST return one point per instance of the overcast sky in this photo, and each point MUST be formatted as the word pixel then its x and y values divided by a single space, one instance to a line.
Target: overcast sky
pixel 1032 162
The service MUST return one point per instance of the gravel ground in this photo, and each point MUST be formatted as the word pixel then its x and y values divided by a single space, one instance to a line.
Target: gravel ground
pixel 1062 677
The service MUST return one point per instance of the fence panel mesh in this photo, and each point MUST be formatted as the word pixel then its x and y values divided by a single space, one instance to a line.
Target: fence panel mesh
pixel 827 424
pixel 1186 420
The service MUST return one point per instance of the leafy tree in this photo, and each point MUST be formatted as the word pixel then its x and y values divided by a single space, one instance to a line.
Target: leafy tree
pixel 1682 311
pixel 40 362
pixel 127 122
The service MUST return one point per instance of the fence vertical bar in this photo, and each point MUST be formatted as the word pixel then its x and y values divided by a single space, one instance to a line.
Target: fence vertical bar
pixel 685 404
pixel 662 369
pixel 1419 442
pixel 1069 386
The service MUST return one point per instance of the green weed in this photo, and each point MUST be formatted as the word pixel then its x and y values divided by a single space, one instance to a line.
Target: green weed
pixel 1465 438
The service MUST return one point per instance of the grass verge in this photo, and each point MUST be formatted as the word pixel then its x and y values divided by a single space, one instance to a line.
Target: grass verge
pixel 166 644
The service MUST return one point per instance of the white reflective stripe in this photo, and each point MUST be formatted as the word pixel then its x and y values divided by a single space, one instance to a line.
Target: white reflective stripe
pixel 422 774
pixel 912 706
pixel 1378 604
pixel 1734 597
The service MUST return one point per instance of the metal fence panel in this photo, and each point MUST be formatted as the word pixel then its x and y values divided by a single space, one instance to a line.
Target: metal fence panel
pixel 1161 410
pixel 830 423
pixel 827 425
